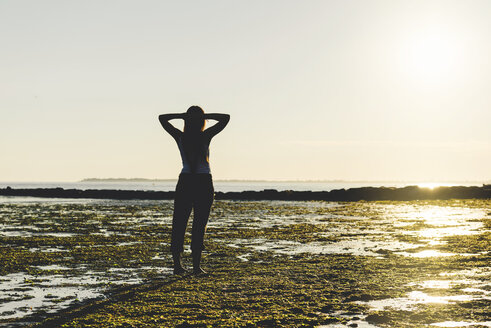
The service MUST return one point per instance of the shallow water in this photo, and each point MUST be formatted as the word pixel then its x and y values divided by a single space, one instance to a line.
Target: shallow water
pixel 83 247
pixel 461 324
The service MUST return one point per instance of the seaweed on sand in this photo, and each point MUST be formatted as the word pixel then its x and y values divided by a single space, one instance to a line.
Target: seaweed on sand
pixel 268 289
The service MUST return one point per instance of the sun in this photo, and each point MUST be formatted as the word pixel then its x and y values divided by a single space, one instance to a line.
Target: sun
pixel 432 55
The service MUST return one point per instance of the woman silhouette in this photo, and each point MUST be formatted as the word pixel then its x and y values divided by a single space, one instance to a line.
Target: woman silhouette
pixel 194 188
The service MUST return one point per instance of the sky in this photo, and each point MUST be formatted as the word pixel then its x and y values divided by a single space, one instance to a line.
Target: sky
pixel 316 90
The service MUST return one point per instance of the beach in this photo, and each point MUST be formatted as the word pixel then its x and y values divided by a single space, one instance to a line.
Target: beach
pixel 105 263
pixel 336 155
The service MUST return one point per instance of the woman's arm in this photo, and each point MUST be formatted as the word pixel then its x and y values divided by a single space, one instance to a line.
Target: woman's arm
pixel 219 126
pixel 164 120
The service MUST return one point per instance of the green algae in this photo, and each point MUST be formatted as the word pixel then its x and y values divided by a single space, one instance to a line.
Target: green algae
pixel 267 290
pixel 291 293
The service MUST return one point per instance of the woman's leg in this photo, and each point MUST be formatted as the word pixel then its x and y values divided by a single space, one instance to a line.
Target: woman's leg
pixel 182 210
pixel 202 206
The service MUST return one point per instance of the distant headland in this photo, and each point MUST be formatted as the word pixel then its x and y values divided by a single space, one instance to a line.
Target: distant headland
pixel 124 180
pixel 223 180
pixel 408 182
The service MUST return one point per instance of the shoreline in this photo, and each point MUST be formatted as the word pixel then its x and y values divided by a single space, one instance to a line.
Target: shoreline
pixel 352 194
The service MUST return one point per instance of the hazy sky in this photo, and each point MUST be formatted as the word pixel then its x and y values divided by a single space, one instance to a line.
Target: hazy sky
pixel 360 90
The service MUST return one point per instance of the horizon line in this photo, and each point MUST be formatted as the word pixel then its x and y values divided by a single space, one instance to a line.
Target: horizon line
pixel 485 181
pixel 285 180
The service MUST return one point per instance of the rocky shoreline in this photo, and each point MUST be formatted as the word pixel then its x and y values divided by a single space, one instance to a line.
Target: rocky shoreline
pixel 353 194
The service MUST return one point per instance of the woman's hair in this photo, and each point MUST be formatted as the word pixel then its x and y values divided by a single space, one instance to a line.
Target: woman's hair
pixel 195 120
pixel 193 141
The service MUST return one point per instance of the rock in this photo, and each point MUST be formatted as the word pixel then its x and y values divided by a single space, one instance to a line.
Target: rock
pixel 268 323
pixel 353 194
pixel 362 297
pixel 297 310
pixel 327 309
pixel 377 318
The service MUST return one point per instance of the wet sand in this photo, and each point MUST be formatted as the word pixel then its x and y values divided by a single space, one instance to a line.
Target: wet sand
pixel 272 263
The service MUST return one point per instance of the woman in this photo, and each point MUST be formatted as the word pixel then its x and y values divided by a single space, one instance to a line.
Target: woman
pixel 194 189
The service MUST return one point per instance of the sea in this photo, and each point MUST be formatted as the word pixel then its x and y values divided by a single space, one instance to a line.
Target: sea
pixel 231 185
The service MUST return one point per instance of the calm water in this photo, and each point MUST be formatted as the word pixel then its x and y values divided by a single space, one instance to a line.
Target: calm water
pixel 226 186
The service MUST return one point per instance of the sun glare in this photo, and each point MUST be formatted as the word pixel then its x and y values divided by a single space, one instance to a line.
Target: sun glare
pixel 432 55
pixel 432 185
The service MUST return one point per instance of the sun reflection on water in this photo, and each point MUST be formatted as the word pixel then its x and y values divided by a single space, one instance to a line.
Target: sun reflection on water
pixel 434 223
pixel 461 324
pixel 427 253
pixel 433 185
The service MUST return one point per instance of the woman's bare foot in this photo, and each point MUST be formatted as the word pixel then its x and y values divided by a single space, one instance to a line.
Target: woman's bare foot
pixel 199 271
pixel 180 270
pixel 196 263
